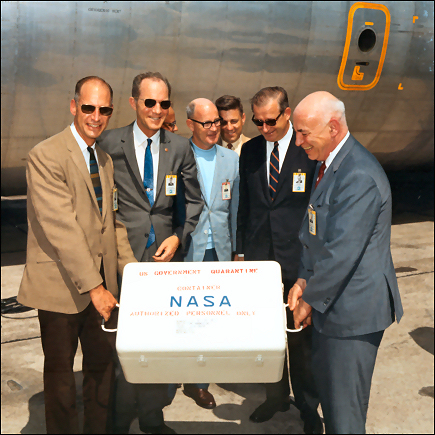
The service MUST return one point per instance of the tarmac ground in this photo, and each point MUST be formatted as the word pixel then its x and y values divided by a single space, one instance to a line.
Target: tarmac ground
pixel 403 383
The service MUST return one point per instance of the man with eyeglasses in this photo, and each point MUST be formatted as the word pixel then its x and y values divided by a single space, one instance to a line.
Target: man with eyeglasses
pixel 170 123
pixel 75 248
pixel 230 109
pixel 214 237
pixel 273 201
pixel 146 159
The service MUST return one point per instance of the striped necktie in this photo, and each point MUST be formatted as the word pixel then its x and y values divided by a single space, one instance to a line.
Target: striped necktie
pixel 148 183
pixel 230 146
pixel 95 178
pixel 274 170
pixel 321 173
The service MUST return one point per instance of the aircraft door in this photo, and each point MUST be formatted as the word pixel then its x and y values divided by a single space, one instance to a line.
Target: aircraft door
pixel 366 44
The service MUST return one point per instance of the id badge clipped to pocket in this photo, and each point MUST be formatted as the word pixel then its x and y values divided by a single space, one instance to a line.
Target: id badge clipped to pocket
pixel 115 199
pixel 311 220
pixel 171 185
pixel 226 190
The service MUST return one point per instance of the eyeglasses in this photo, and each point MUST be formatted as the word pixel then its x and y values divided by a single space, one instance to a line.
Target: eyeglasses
pixel 89 108
pixel 149 102
pixel 170 125
pixel 208 124
pixel 269 122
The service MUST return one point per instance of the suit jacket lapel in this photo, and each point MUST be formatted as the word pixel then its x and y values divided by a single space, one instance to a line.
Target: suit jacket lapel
pixel 219 164
pixel 326 180
pixel 105 184
pixel 200 179
pixel 79 160
pixel 285 168
pixel 164 161
pixel 127 145
pixel 263 170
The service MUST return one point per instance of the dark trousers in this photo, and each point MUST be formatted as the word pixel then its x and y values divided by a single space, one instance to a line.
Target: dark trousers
pixel 59 336
pixel 143 400
pixel 299 349
pixel 343 370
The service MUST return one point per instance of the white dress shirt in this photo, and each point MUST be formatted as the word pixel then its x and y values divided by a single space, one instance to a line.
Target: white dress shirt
pixel 140 145
pixel 333 153
pixel 282 149
pixel 83 146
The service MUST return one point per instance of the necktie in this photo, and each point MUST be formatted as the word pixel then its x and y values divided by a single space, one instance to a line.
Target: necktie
pixel 95 178
pixel 321 173
pixel 230 146
pixel 274 170
pixel 148 183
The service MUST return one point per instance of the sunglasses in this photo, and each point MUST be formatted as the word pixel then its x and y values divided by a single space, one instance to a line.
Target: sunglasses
pixel 149 102
pixel 89 108
pixel 269 122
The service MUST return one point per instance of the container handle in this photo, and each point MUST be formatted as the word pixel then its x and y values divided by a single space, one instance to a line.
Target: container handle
pixel 105 329
pixel 293 330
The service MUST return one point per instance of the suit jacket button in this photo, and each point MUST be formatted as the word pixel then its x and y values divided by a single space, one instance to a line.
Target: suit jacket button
pixel 146 235
pixel 100 254
pixel 305 246
pixel 102 230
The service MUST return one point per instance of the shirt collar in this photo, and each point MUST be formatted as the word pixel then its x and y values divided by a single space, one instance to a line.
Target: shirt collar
pixel 285 141
pixel 141 137
pixel 82 144
pixel 334 152
pixel 236 143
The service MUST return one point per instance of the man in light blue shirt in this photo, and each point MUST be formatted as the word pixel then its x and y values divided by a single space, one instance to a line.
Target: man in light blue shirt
pixel 214 238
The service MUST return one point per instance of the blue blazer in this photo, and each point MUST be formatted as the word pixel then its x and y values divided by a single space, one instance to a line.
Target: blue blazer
pixel 351 283
pixel 222 214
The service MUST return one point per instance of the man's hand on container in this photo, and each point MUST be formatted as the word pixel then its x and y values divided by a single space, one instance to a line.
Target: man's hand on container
pixel 302 314
pixel 167 249
pixel 237 258
pixel 104 302
pixel 295 293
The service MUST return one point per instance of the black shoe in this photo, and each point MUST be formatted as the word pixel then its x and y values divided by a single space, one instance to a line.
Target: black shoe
pixel 268 409
pixel 157 429
pixel 312 423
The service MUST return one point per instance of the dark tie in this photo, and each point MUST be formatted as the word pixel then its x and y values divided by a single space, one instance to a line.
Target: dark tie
pixel 230 146
pixel 274 170
pixel 95 178
pixel 148 183
pixel 321 173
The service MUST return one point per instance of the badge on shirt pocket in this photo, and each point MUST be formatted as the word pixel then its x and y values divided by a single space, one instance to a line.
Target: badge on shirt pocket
pixel 299 181
pixel 311 220
pixel 226 190
pixel 171 185
pixel 115 198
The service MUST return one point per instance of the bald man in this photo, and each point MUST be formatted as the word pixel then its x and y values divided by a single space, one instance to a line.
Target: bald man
pixel 347 286
pixel 214 238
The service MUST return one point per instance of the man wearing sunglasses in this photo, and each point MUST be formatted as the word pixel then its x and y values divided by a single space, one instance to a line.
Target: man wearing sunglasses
pixel 233 119
pixel 146 157
pixel 273 201
pixel 170 123
pixel 75 248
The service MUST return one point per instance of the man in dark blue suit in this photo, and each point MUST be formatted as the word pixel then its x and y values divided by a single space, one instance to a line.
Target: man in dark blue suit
pixel 347 286
pixel 275 183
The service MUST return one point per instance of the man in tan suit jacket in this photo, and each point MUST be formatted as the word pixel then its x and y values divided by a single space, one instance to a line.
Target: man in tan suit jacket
pixel 233 119
pixel 75 248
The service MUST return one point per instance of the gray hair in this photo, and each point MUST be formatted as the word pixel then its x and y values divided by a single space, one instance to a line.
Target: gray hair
pixel 190 109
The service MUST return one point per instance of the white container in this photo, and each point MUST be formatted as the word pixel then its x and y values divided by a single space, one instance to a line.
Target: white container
pixel 202 322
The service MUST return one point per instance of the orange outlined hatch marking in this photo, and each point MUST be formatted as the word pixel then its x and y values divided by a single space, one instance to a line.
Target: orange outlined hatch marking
pixel 340 81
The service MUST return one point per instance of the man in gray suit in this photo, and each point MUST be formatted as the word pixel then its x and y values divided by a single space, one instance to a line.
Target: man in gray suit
pixel 147 160
pixel 347 286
